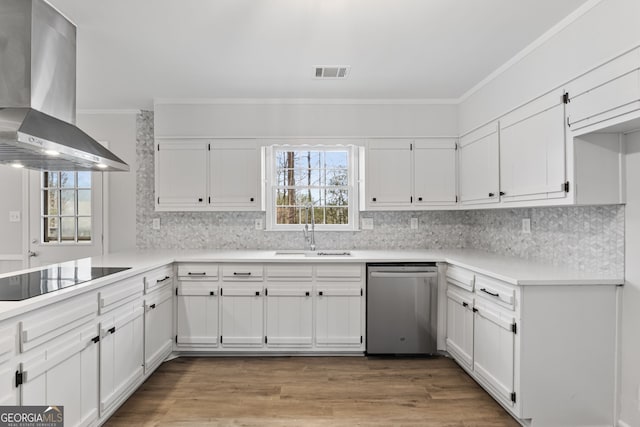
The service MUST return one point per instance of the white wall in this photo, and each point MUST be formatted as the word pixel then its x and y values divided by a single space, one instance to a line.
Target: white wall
pixel 305 119
pixel 606 30
pixel 630 357
pixel 10 232
pixel 119 130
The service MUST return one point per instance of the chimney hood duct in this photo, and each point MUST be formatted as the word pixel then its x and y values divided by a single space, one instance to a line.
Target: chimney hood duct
pixel 38 93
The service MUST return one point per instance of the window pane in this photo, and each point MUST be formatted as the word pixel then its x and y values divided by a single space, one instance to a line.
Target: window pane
pixel 337 177
pixel 67 179
pixel 84 179
pixel 337 215
pixel 50 179
pixel 68 205
pixel 84 229
pixel 337 198
pixel 50 202
pixel 287 215
pixel 286 197
pixel 68 229
pixel 50 229
pixel 306 176
pixel 84 202
pixel 336 159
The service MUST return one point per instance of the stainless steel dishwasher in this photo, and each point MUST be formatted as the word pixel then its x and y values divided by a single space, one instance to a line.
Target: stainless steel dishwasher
pixel 402 308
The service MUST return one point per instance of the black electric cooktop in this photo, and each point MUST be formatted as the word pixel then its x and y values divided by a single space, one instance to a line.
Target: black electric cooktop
pixel 29 285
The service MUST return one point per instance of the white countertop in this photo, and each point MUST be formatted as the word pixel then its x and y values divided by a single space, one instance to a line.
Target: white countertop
pixel 516 271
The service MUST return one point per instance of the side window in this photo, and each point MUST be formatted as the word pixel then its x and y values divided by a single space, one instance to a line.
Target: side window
pixel 66 207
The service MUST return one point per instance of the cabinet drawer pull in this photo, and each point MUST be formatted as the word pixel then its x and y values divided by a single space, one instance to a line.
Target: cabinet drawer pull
pixel 212 293
pixel 492 194
pixel 502 193
pixel 475 310
pixel 242 274
pixel 320 293
pixel 306 294
pixel 373 199
pixel 196 274
pixel 162 280
pixel 95 340
pixel 251 199
pixel 257 293
pixel 112 330
pixel 419 199
pixel 490 293
pixel 152 306
pixel 464 304
pixel 200 199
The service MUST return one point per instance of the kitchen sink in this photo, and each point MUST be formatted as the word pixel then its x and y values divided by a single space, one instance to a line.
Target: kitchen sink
pixel 302 253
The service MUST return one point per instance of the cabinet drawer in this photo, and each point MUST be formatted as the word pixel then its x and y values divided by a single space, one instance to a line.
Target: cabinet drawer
pixel 496 291
pixel 198 270
pixel 56 320
pixel 241 291
pixel 197 288
pixel 289 272
pixel 158 278
pixel 114 296
pixel 339 271
pixel 461 278
pixel 242 271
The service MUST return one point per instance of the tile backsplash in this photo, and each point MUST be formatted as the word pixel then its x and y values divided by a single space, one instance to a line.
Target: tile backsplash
pixel 586 238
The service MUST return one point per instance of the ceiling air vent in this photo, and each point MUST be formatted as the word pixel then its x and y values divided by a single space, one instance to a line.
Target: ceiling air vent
pixel 332 71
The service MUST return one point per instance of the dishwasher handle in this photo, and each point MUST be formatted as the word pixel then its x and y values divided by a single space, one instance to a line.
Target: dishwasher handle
pixel 405 274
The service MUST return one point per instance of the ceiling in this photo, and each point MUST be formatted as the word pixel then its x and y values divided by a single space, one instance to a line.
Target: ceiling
pixel 132 51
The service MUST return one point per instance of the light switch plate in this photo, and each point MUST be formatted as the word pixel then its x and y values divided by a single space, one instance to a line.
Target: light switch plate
pixel 258 224
pixel 526 225
pixel 156 223
pixel 14 216
pixel 414 223
pixel 367 223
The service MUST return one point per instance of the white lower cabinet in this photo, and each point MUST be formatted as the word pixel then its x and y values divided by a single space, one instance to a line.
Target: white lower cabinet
pixel 289 315
pixel 64 372
pixel 339 315
pixel 197 314
pixel 121 353
pixel 158 321
pixel 8 365
pixel 460 326
pixel 241 315
pixel 494 351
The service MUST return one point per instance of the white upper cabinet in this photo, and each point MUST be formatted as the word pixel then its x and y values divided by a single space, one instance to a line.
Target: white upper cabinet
pixel 609 93
pixel 388 174
pixel 532 150
pixel 181 174
pixel 410 174
pixel 235 175
pixel 208 175
pixel 479 168
pixel 434 172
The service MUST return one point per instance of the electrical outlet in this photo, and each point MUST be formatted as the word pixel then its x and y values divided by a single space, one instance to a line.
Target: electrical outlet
pixel 526 225
pixel 156 223
pixel 367 223
pixel 14 216
pixel 414 223
pixel 258 224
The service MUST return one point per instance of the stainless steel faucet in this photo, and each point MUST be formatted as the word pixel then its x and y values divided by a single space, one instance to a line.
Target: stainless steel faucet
pixel 310 238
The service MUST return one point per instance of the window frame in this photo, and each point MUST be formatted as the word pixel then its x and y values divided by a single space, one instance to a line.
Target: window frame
pixel 271 184
pixel 44 188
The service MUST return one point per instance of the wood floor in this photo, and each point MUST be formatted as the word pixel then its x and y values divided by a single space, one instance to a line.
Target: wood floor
pixel 311 391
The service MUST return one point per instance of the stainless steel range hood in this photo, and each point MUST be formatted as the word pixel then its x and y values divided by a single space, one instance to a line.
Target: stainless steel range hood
pixel 38 93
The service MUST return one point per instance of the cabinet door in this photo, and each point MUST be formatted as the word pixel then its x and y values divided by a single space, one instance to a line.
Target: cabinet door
pixel 388 174
pixel 434 166
pixel 289 315
pixel 235 175
pixel 158 320
pixel 181 174
pixel 65 372
pixel 479 168
pixel 460 327
pixel 121 354
pixel 8 366
pixel 532 150
pixel 197 317
pixel 493 351
pixel 242 313
pixel 339 315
